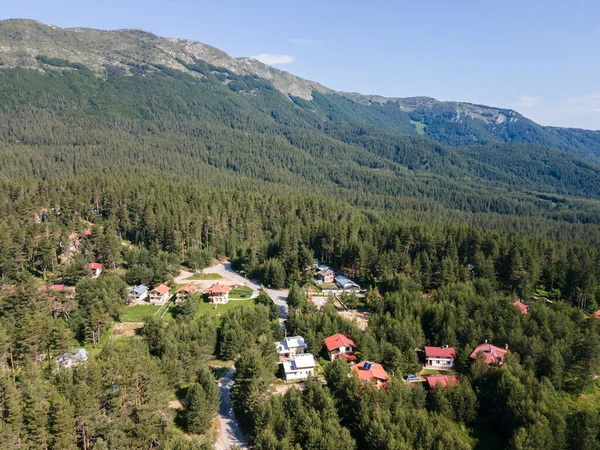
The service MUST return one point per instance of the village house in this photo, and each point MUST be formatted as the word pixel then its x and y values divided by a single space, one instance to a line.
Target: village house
pixel 522 306
pixel 290 347
pixel 138 293
pixel 371 372
pixel 441 381
pixel 340 346
pixel 301 367
pixel 96 269
pixel 345 283
pixel 439 357
pixel 184 292
pixel 54 287
pixel 325 276
pixel 596 315
pixel 218 294
pixel 490 353
pixel 159 295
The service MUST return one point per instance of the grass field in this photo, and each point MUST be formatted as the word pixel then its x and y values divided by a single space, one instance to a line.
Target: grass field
pixel 222 309
pixel 205 276
pixel 139 312
pixel 241 292
pixel 419 127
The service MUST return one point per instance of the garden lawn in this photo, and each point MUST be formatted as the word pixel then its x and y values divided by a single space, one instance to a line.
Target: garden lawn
pixel 241 292
pixel 222 309
pixel 137 313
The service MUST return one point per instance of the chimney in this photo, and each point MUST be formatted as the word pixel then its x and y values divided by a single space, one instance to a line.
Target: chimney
pixel 486 341
pixel 446 345
pixel 506 347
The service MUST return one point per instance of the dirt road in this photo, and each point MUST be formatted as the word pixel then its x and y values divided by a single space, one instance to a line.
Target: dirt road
pixel 230 433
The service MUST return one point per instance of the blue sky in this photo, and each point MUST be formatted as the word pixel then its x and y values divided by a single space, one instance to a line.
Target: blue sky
pixel 538 57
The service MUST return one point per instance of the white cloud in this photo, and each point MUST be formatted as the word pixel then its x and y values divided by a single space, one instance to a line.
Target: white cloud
pixel 272 59
pixel 305 41
pixel 526 101
pixel 588 103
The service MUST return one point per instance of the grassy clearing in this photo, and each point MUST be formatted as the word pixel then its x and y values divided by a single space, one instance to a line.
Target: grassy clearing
pixel 205 276
pixel 241 292
pixel 219 310
pixel 138 313
pixel 419 127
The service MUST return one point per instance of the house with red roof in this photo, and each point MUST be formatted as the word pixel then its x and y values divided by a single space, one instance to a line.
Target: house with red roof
pixel 184 292
pixel 159 295
pixel 369 372
pixel 218 294
pixel 54 287
pixel 522 306
pixel 441 381
pixel 96 269
pixel 490 353
pixel 340 346
pixel 596 315
pixel 440 357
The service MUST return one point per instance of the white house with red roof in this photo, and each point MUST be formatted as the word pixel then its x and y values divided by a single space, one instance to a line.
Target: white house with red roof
pixel 522 306
pixel 218 294
pixel 440 357
pixel 184 292
pixel 159 295
pixel 490 353
pixel 340 346
pixel 96 269
pixel 369 372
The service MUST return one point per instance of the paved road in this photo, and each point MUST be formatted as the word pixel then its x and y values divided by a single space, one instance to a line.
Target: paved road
pixel 279 297
pixel 230 433
pixel 229 428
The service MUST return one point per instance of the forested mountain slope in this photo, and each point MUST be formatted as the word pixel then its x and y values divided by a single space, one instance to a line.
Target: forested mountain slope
pixel 148 155
pixel 26 43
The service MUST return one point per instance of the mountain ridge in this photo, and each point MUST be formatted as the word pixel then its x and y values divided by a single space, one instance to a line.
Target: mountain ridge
pixel 25 43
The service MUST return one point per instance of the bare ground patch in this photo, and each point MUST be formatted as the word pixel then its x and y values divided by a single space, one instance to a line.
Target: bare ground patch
pixel 126 329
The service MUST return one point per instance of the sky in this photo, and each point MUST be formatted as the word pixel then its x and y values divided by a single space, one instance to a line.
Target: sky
pixel 539 57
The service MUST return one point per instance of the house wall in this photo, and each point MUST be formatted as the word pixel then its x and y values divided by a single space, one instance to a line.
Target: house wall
pixel 156 299
pixel 441 363
pixel 301 374
pixel 219 299
pixel 341 351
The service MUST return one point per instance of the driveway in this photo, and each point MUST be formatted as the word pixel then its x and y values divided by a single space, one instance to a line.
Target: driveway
pixel 230 433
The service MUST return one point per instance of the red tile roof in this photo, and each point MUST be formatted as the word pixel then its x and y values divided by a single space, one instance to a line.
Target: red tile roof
pixel 54 287
pixel 338 340
pixel 440 352
pixel 491 353
pixel 189 288
pixel 95 265
pixel 161 289
pixel 596 315
pixel 441 381
pixel 375 372
pixel 522 306
pixel 87 232
pixel 347 357
pixel 218 289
